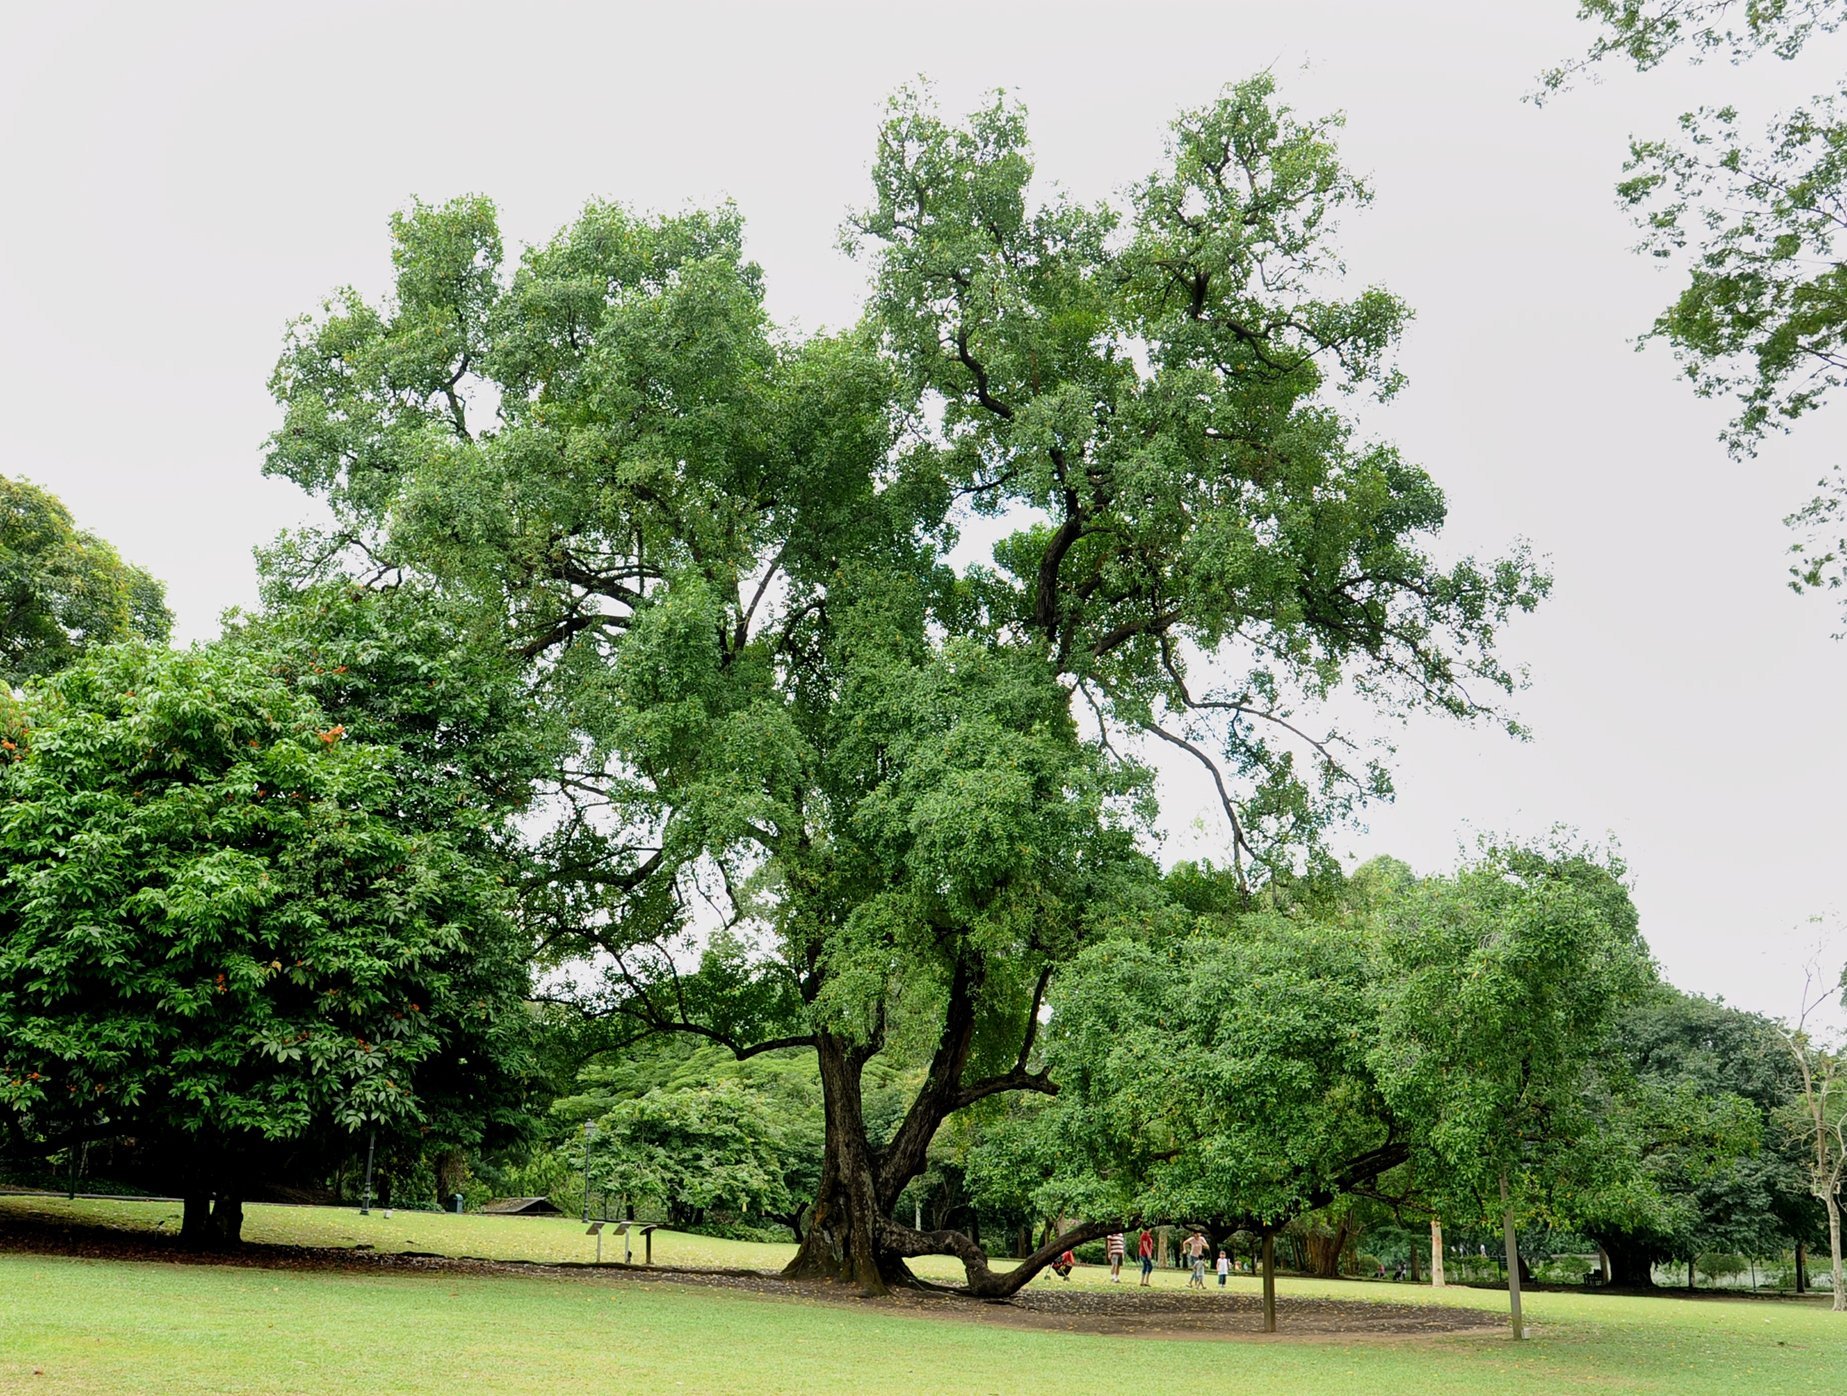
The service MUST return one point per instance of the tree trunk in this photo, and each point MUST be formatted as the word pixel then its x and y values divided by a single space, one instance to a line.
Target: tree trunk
pixel 211 1221
pixel 853 1236
pixel 1269 1282
pixel 1325 1250
pixel 842 1243
pixel 1415 1277
pixel 1834 1251
pixel 1513 1261
pixel 451 1175
pixel 1436 1253
pixel 1603 1265
pixel 1628 1266
pixel 1802 1270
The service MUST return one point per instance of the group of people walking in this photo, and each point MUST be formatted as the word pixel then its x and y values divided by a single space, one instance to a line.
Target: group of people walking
pixel 1194 1248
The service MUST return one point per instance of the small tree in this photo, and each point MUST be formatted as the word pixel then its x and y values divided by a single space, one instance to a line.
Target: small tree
pixel 1499 988
pixel 695 1151
pixel 218 932
pixel 1820 1112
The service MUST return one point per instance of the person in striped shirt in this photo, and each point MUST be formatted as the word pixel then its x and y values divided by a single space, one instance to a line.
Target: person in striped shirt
pixel 1116 1249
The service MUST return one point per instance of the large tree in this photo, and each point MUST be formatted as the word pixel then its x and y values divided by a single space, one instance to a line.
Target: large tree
pixel 1691 1152
pixel 63 590
pixel 221 934
pixel 900 773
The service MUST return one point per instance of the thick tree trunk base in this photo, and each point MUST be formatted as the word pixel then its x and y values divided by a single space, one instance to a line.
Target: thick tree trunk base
pixel 211 1222
pixel 850 1257
pixel 1629 1267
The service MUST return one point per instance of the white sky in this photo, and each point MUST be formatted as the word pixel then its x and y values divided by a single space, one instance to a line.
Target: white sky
pixel 181 179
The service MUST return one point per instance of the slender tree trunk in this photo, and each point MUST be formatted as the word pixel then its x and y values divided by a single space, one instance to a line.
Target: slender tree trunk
pixel 1269 1282
pixel 1802 1269
pixel 1603 1265
pixel 1436 1253
pixel 1415 1277
pixel 1513 1261
pixel 1834 1251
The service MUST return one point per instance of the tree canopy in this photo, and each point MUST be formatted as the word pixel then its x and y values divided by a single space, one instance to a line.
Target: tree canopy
pixel 883 780
pixel 1755 215
pixel 63 590
pixel 219 931
pixel 1236 1068
pixel 1692 1152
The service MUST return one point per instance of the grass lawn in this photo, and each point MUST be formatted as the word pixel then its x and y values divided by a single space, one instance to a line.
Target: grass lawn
pixel 109 1326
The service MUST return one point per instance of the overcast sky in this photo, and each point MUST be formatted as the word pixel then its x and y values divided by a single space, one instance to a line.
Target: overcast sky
pixel 180 180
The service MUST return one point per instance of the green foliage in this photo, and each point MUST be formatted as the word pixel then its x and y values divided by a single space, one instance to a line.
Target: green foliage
pixel 1222 1075
pixel 716 1148
pixel 1248 1067
pixel 218 927
pixel 1212 552
pixel 62 590
pixel 1763 317
pixel 409 670
pixel 1646 32
pixel 1692 1155
pixel 1756 217
pixel 830 780
pixel 1499 988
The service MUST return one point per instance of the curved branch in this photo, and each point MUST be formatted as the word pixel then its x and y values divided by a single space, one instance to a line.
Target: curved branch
pixel 984 1282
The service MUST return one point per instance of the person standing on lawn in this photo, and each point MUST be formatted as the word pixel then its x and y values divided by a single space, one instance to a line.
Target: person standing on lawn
pixel 1224 1268
pixel 1195 1252
pixel 1116 1248
pixel 1145 1249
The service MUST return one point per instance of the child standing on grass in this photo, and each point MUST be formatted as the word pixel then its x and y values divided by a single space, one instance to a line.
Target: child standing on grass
pixel 1116 1249
pixel 1224 1268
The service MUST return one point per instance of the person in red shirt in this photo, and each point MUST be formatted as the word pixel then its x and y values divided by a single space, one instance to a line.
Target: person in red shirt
pixel 1064 1265
pixel 1145 1249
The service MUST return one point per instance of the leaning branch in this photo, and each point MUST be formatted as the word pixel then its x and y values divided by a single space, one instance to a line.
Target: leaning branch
pixel 983 1281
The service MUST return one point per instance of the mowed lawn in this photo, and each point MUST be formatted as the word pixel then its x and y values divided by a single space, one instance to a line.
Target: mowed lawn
pixel 121 1326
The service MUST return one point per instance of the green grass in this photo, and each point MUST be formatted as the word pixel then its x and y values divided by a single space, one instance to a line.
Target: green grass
pixel 113 1326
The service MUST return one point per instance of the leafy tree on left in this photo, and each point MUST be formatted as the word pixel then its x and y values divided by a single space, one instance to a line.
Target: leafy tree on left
pixel 219 930
pixel 63 590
